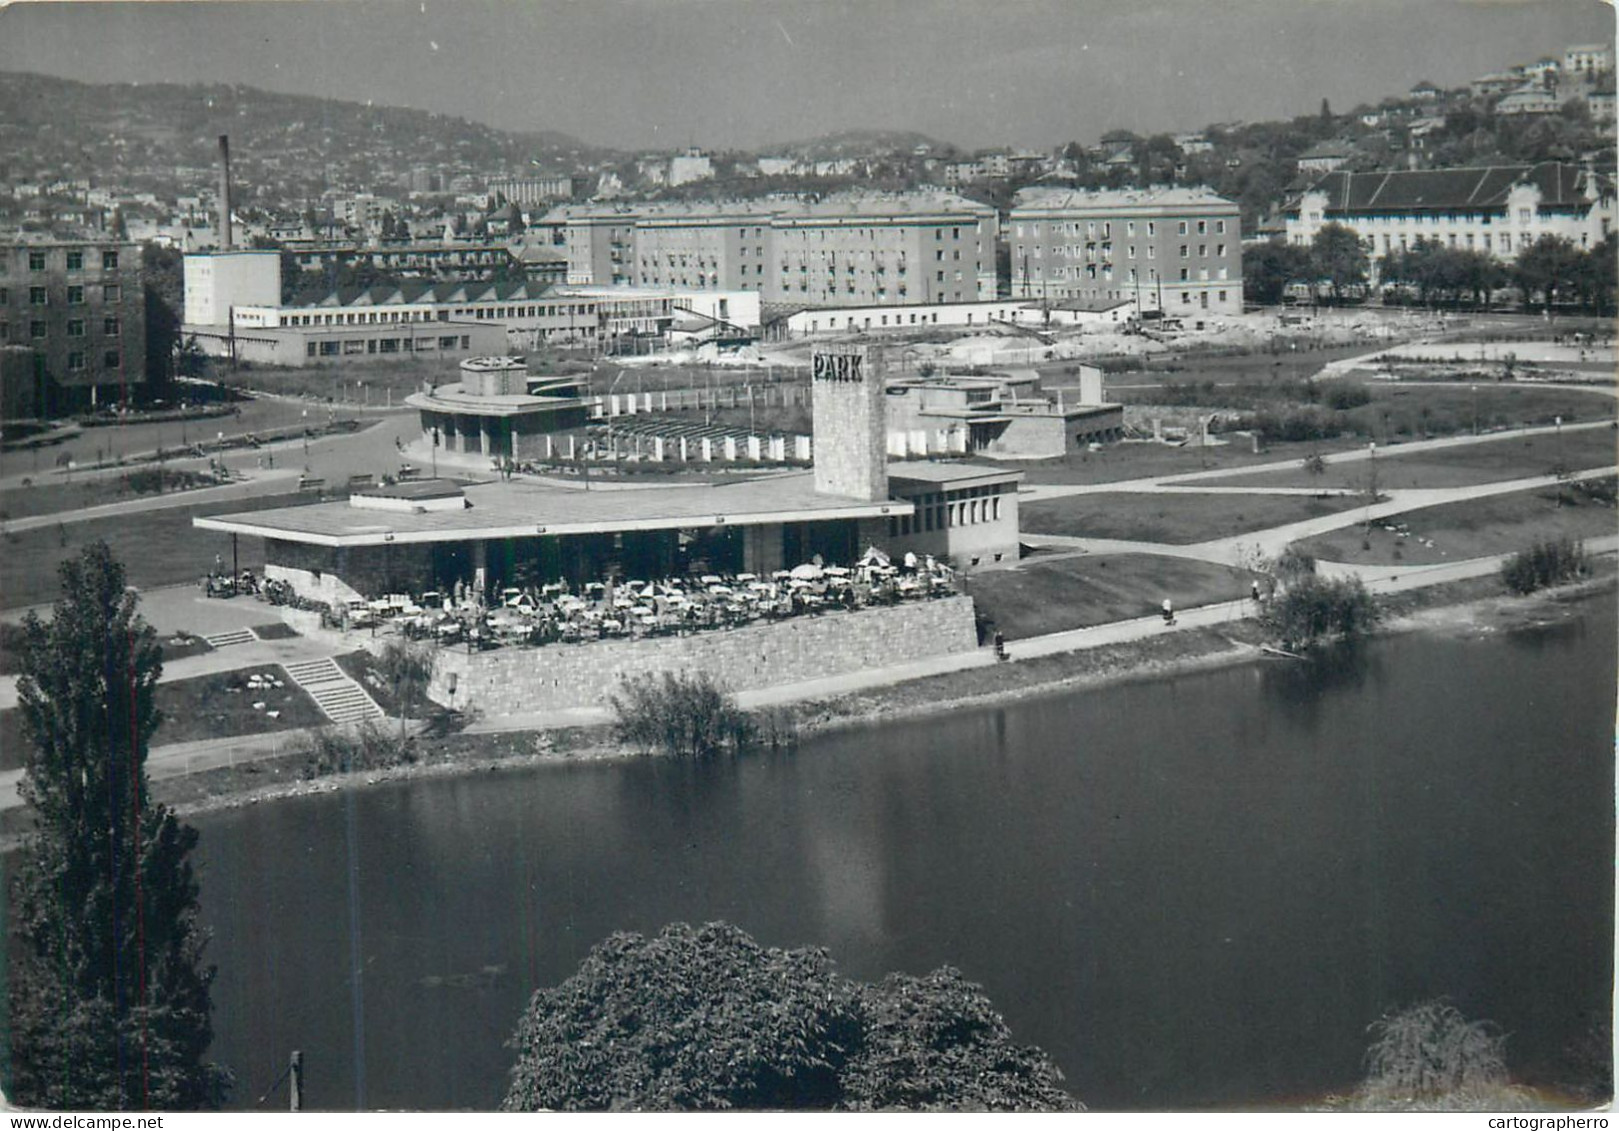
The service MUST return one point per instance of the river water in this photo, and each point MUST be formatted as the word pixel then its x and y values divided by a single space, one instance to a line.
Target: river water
pixel 1192 892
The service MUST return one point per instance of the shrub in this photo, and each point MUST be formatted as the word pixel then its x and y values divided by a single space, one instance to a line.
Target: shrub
pixel 1344 397
pixel 1545 563
pixel 369 747
pixel 684 714
pixel 1314 608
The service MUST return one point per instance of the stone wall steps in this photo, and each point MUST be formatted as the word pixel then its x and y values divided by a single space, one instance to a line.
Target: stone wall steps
pixel 342 700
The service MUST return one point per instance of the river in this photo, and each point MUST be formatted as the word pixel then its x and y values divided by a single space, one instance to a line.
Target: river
pixel 1192 892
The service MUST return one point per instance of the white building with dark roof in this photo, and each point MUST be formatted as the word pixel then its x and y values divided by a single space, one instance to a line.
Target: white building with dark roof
pixel 1499 210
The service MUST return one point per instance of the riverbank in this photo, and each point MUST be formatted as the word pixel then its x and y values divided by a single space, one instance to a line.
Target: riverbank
pixel 1475 605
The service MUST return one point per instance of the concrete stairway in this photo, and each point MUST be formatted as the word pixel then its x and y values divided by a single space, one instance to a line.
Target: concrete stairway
pixel 235 636
pixel 343 700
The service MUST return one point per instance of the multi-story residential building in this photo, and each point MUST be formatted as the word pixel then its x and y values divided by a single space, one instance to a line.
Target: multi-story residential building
pixel 1175 249
pixel 844 250
pixel 1588 58
pixel 704 246
pixel 80 308
pixel 1499 210
pixel 599 240
pixel 860 250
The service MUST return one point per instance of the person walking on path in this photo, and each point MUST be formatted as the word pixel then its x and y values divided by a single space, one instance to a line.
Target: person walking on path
pixel 1169 611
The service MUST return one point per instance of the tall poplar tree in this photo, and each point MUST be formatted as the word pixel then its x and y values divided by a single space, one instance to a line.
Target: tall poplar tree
pixel 110 997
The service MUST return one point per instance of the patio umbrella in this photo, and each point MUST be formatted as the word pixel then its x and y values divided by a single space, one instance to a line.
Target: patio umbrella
pixel 806 572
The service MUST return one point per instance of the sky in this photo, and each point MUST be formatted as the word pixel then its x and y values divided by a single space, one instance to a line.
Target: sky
pixel 750 74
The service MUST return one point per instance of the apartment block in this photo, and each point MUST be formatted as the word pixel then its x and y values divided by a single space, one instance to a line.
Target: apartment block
pixel 80 309
pixel 1174 249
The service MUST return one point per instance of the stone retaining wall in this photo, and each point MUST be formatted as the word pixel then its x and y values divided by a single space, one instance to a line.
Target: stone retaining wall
pixel 514 681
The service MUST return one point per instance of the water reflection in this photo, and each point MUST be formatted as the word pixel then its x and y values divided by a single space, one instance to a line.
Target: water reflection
pixel 1192 891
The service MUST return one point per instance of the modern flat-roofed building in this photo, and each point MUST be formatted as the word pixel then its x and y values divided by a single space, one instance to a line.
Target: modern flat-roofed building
pixel 1178 248
pixel 500 410
pixel 418 538
pixel 79 308
pixel 1498 210
pixel 216 282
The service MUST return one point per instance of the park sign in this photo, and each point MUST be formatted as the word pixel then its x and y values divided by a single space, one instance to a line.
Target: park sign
pixel 842 368
pixel 850 423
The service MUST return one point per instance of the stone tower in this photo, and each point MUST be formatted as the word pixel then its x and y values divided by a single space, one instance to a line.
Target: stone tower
pixel 850 422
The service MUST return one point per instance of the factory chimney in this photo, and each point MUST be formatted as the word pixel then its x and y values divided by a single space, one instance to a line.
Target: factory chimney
pixel 225 241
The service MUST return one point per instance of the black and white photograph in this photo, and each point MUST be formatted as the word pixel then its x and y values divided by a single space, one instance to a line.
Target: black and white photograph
pixel 833 556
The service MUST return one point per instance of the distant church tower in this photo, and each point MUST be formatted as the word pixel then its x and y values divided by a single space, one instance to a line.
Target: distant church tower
pixel 850 422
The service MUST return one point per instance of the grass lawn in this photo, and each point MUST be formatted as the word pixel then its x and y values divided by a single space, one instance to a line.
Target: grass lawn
pixel 174 647
pixel 56 496
pixel 1399 411
pixel 1254 368
pixel 158 547
pixel 1178 520
pixel 1510 457
pixel 208 706
pixel 1472 529
pixel 1074 592
pixel 1145 459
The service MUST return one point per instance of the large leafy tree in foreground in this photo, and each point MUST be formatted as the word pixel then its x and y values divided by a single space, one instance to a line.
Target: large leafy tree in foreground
pixel 110 999
pixel 707 1019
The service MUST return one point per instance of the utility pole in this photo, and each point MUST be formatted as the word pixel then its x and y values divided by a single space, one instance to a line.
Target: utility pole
pixel 295 1081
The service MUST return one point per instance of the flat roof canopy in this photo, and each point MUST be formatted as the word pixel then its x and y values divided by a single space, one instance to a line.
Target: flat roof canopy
pixel 527 510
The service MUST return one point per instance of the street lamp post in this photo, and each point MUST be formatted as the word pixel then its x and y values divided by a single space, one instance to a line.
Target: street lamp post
pixel 1475 409
pixel 1371 481
pixel 1562 469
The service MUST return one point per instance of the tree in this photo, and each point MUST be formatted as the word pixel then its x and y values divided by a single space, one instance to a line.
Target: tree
pixel 1428 1057
pixel 707 1019
pixel 407 668
pixel 1268 268
pixel 110 999
pixel 1546 267
pixel 1339 257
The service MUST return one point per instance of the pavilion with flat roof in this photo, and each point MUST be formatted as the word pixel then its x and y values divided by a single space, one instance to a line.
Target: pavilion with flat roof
pixel 417 536
pixel 420 536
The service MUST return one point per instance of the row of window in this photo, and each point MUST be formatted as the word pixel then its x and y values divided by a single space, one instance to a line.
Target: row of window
pixel 76 328
pixel 385 345
pixel 77 360
pixel 38 260
pixel 1105 228
pixel 942 512
pixel 40 296
pixel 483 313
pixel 1434 219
